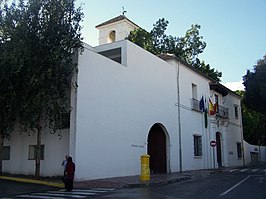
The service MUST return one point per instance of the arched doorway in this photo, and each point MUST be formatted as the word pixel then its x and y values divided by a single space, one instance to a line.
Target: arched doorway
pixel 219 149
pixel 157 149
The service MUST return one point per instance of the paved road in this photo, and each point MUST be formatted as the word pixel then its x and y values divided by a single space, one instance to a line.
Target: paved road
pixel 244 183
pixel 216 186
pixel 11 189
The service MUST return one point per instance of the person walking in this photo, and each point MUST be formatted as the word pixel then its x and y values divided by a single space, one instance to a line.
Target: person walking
pixel 69 173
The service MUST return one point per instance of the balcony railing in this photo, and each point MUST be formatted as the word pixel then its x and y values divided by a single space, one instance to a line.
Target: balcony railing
pixel 195 104
pixel 220 110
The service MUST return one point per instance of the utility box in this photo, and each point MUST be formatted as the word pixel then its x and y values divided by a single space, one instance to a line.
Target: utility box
pixel 145 167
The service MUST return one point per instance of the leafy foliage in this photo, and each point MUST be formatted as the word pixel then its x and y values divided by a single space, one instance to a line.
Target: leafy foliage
pixel 142 38
pixel 253 123
pixel 253 103
pixel 255 85
pixel 187 48
pixel 254 99
pixel 38 40
pixel 206 69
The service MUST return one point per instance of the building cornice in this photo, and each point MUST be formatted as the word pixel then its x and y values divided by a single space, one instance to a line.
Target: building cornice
pixel 214 85
pixel 116 19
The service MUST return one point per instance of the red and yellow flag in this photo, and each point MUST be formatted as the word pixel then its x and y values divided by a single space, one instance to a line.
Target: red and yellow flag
pixel 212 108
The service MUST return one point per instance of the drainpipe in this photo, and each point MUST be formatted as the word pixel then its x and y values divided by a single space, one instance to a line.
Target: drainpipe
pixel 179 119
pixel 242 137
pixel 73 113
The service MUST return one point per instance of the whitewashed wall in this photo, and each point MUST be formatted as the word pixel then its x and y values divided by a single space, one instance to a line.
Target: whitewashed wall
pixel 192 123
pixel 56 147
pixel 121 28
pixel 233 133
pixel 116 107
pixel 249 148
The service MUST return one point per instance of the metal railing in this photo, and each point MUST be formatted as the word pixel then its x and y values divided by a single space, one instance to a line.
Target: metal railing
pixel 221 111
pixel 195 104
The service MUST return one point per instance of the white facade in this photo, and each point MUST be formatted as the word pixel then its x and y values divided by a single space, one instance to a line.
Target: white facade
pixel 130 102
pixel 117 104
pixel 115 29
pixel 55 148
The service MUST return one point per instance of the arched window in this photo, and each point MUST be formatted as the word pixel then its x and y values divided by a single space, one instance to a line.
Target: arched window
pixel 111 37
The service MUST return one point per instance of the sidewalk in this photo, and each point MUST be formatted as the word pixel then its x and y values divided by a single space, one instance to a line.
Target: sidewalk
pixel 117 182
pixel 134 181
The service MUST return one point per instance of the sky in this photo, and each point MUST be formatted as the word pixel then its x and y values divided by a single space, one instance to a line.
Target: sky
pixel 234 30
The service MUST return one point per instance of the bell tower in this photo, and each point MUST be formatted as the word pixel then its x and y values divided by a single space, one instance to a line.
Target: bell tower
pixel 115 29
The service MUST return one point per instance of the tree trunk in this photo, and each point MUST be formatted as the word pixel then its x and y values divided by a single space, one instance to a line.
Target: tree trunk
pixel 1 153
pixel 38 152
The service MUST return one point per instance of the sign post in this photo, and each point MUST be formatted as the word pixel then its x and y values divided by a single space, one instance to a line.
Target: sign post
pixel 213 144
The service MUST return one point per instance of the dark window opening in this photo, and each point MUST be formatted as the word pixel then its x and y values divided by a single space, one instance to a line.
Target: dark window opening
pixel 197 145
pixel 6 153
pixel 32 152
pixel 113 54
pixel 239 151
pixel 236 112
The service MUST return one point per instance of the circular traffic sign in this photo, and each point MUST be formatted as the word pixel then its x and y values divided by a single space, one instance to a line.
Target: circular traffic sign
pixel 213 143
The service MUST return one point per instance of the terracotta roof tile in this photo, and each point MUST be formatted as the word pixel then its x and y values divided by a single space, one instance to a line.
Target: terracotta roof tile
pixel 119 18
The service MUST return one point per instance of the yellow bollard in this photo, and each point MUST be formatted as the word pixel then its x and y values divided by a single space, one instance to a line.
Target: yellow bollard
pixel 145 167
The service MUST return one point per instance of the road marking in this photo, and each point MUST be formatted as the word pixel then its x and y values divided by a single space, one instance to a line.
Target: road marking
pixel 232 170
pixel 105 189
pixel 243 170
pixel 62 193
pixel 261 179
pixel 40 197
pixel 66 193
pixel 254 170
pixel 233 187
pixel 58 194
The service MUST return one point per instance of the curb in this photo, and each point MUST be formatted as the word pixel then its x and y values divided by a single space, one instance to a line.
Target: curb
pixel 152 184
pixel 52 184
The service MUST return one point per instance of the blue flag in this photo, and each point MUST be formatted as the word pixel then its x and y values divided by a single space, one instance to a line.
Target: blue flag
pixel 201 104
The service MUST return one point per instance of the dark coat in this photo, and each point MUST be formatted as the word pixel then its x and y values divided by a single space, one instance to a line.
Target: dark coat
pixel 70 170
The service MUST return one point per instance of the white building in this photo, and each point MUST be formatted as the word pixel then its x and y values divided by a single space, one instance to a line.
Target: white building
pixel 130 102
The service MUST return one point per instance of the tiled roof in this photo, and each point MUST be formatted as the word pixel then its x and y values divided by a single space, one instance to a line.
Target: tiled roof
pixel 213 84
pixel 119 18
pixel 172 56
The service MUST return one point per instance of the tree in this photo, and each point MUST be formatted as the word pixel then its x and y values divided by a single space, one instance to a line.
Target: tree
pixel 43 36
pixel 255 85
pixel 187 48
pixel 8 98
pixel 191 45
pixel 142 38
pixel 254 99
pixel 253 123
pixel 206 69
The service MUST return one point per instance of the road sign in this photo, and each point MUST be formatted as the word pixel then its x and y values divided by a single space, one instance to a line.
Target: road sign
pixel 213 143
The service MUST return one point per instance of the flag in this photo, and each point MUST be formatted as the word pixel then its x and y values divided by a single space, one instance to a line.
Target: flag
pixel 206 117
pixel 201 104
pixel 212 108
